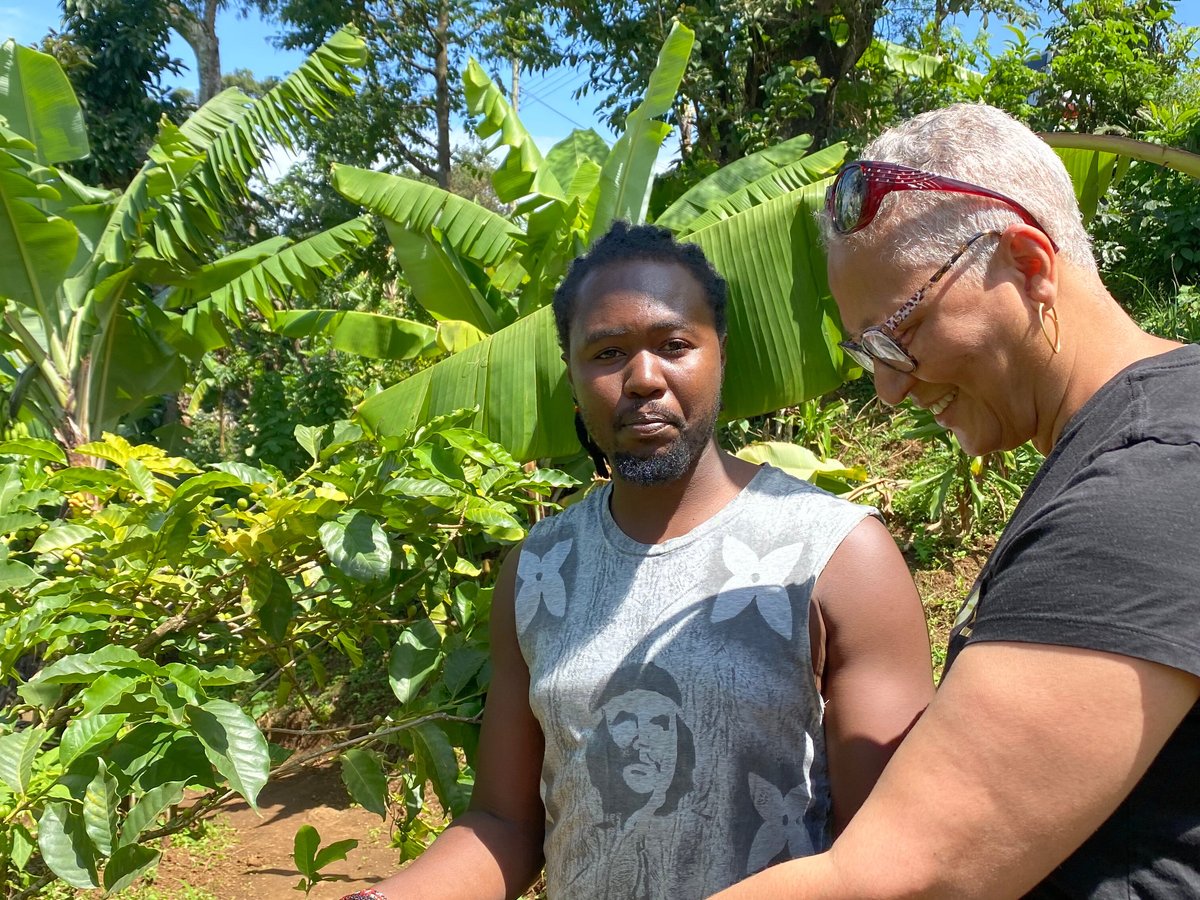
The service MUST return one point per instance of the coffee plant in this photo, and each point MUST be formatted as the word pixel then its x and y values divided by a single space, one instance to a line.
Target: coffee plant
pixel 146 604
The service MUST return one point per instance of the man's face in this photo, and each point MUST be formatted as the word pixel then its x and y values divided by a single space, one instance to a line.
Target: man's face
pixel 646 363
pixel 644 725
pixel 960 335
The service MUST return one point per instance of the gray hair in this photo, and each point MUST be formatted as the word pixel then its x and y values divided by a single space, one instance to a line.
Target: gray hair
pixel 985 146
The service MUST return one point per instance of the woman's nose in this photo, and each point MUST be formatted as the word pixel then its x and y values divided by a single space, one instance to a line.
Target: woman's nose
pixel 892 386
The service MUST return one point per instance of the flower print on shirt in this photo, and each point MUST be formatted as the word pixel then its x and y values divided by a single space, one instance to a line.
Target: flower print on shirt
pixel 541 583
pixel 757 580
pixel 783 816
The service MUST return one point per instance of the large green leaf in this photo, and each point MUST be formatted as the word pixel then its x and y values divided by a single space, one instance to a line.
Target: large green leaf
pixel 781 347
pixel 358 546
pixel 100 809
pixel 202 282
pixel 516 379
pixel 132 364
pixel 476 233
pixel 37 100
pixel 126 865
pixel 523 170
pixel 294 270
pixel 367 334
pixel 1096 162
pixel 439 282
pixel 36 249
pixel 749 181
pixel 65 845
pixel 438 763
pixel 148 808
pixel 571 153
pixel 1092 174
pixel 1170 157
pixel 414 659
pixel 234 746
pixel 362 773
pixel 86 731
pixel 628 173
pixel 17 752
pixel 783 328
pixel 212 156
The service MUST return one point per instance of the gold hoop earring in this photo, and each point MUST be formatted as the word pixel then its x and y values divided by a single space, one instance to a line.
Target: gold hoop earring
pixel 1056 342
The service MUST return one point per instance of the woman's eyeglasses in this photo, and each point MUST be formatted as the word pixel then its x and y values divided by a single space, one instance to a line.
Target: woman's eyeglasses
pixel 879 341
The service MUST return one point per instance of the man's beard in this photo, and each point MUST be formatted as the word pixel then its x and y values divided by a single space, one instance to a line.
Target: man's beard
pixel 673 462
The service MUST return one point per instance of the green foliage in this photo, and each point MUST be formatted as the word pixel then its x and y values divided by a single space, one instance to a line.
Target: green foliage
pixel 116 57
pixel 310 857
pixel 159 601
pixel 955 495
pixel 83 271
pixel 763 72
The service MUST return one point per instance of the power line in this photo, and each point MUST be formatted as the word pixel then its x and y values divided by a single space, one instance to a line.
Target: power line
pixel 563 115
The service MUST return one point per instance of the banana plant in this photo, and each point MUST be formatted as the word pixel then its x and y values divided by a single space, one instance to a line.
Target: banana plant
pixel 105 296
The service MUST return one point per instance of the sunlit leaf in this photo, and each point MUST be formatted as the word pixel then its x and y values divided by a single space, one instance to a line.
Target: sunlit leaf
pixel 363 776
pixel 17 752
pixel 65 845
pixel 100 809
pixel 358 546
pixel 414 659
pixel 234 745
pixel 86 731
pixel 628 172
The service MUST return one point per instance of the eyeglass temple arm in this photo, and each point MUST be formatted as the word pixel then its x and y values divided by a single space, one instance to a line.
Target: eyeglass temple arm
pixel 925 181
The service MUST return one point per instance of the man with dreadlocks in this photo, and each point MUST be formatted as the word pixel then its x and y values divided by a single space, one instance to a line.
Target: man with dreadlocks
pixel 701 668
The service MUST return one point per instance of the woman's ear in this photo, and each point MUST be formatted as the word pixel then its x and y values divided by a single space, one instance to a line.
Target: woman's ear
pixel 1031 253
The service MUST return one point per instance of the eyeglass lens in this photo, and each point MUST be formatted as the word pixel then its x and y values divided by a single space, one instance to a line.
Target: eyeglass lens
pixel 848 199
pixel 885 349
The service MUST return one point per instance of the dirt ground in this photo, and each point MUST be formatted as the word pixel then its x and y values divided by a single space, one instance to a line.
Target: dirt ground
pixel 252 858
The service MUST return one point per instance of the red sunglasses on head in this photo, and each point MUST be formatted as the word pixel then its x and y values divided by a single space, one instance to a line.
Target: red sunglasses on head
pixel 854 197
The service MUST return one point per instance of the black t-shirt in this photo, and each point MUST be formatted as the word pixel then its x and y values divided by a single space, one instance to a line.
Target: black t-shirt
pixel 1103 552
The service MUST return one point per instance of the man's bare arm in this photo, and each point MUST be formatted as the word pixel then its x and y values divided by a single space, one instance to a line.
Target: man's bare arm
pixel 1025 751
pixel 878 678
pixel 494 850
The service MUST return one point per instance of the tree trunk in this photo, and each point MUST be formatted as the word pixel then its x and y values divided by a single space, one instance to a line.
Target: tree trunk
pixel 442 94
pixel 516 83
pixel 200 32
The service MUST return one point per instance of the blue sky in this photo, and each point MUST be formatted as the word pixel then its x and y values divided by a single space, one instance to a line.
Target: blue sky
pixel 547 107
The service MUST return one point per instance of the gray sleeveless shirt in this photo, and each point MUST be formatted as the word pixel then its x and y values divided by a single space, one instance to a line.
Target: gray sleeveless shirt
pixel 674 685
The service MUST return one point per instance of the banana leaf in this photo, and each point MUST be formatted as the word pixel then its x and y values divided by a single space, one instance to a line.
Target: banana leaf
pixel 1096 162
pixel 1169 157
pixel 470 229
pixel 439 281
pixel 361 333
pixel 750 181
pixel 36 250
pixel 628 172
pixel 39 104
pixel 523 170
pixel 579 150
